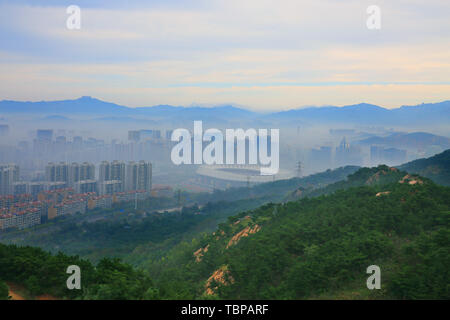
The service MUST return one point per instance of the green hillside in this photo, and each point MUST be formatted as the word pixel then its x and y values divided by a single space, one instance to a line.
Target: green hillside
pixel 320 247
pixel 437 168
pixel 40 272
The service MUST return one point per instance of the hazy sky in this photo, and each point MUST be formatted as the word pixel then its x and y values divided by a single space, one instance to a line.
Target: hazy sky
pixel 261 54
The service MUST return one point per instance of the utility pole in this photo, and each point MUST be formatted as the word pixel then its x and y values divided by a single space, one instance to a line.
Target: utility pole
pixel 135 201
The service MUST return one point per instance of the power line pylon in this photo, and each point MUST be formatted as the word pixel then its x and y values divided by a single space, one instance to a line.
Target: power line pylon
pixel 299 169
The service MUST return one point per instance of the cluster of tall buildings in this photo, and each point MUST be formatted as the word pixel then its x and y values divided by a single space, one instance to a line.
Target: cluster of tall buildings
pixel 148 134
pixel 347 154
pixel 69 145
pixel 69 188
pixel 344 154
pixel 115 176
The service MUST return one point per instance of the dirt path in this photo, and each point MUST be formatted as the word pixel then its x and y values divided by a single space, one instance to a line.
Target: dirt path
pixel 46 297
pixel 14 292
pixel 18 292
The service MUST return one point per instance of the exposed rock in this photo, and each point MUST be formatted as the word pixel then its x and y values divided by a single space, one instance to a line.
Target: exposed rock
pixel 410 180
pixel 243 233
pixel 200 252
pixel 222 276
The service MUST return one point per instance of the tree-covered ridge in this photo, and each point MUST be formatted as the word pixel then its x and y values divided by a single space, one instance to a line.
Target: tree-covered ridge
pixel 321 247
pixel 43 273
pixel 277 190
pixel 380 175
pixel 436 168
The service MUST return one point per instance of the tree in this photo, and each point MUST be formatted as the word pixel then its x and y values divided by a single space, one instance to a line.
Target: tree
pixel 4 292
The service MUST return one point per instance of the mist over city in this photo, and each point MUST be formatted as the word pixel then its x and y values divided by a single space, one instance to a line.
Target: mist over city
pixel 313 138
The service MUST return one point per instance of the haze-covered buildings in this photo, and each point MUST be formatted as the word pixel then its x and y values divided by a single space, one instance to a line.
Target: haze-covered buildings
pixel 9 174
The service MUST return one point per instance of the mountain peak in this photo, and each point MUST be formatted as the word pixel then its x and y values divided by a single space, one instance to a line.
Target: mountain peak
pixel 364 105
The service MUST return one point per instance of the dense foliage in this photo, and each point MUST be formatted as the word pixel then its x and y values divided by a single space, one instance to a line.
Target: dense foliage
pixel 3 291
pixel 43 273
pixel 321 247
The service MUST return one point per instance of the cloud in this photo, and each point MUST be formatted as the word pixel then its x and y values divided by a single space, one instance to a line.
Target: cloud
pixel 235 50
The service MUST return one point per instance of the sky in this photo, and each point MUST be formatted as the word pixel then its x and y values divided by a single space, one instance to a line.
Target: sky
pixel 260 54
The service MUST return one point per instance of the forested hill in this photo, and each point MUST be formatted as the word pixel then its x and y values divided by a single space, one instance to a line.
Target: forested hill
pixel 437 168
pixel 40 272
pixel 380 175
pixel 320 247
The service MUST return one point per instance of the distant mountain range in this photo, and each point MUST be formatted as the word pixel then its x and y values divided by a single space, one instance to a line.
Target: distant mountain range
pixel 430 113
pixel 418 140
pixel 364 113
pixel 92 106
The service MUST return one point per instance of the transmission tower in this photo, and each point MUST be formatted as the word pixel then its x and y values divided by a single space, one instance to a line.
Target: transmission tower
pixel 299 169
pixel 179 197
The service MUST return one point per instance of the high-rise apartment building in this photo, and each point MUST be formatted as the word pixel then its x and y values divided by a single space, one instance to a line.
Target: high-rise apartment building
pixel 57 172
pixel 110 187
pixel 134 136
pixel 83 186
pixel 80 172
pixel 112 171
pixel 347 154
pixel 4 130
pixel 44 135
pixel 139 176
pixel 104 171
pixel 118 171
pixel 9 174
pixel 77 142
